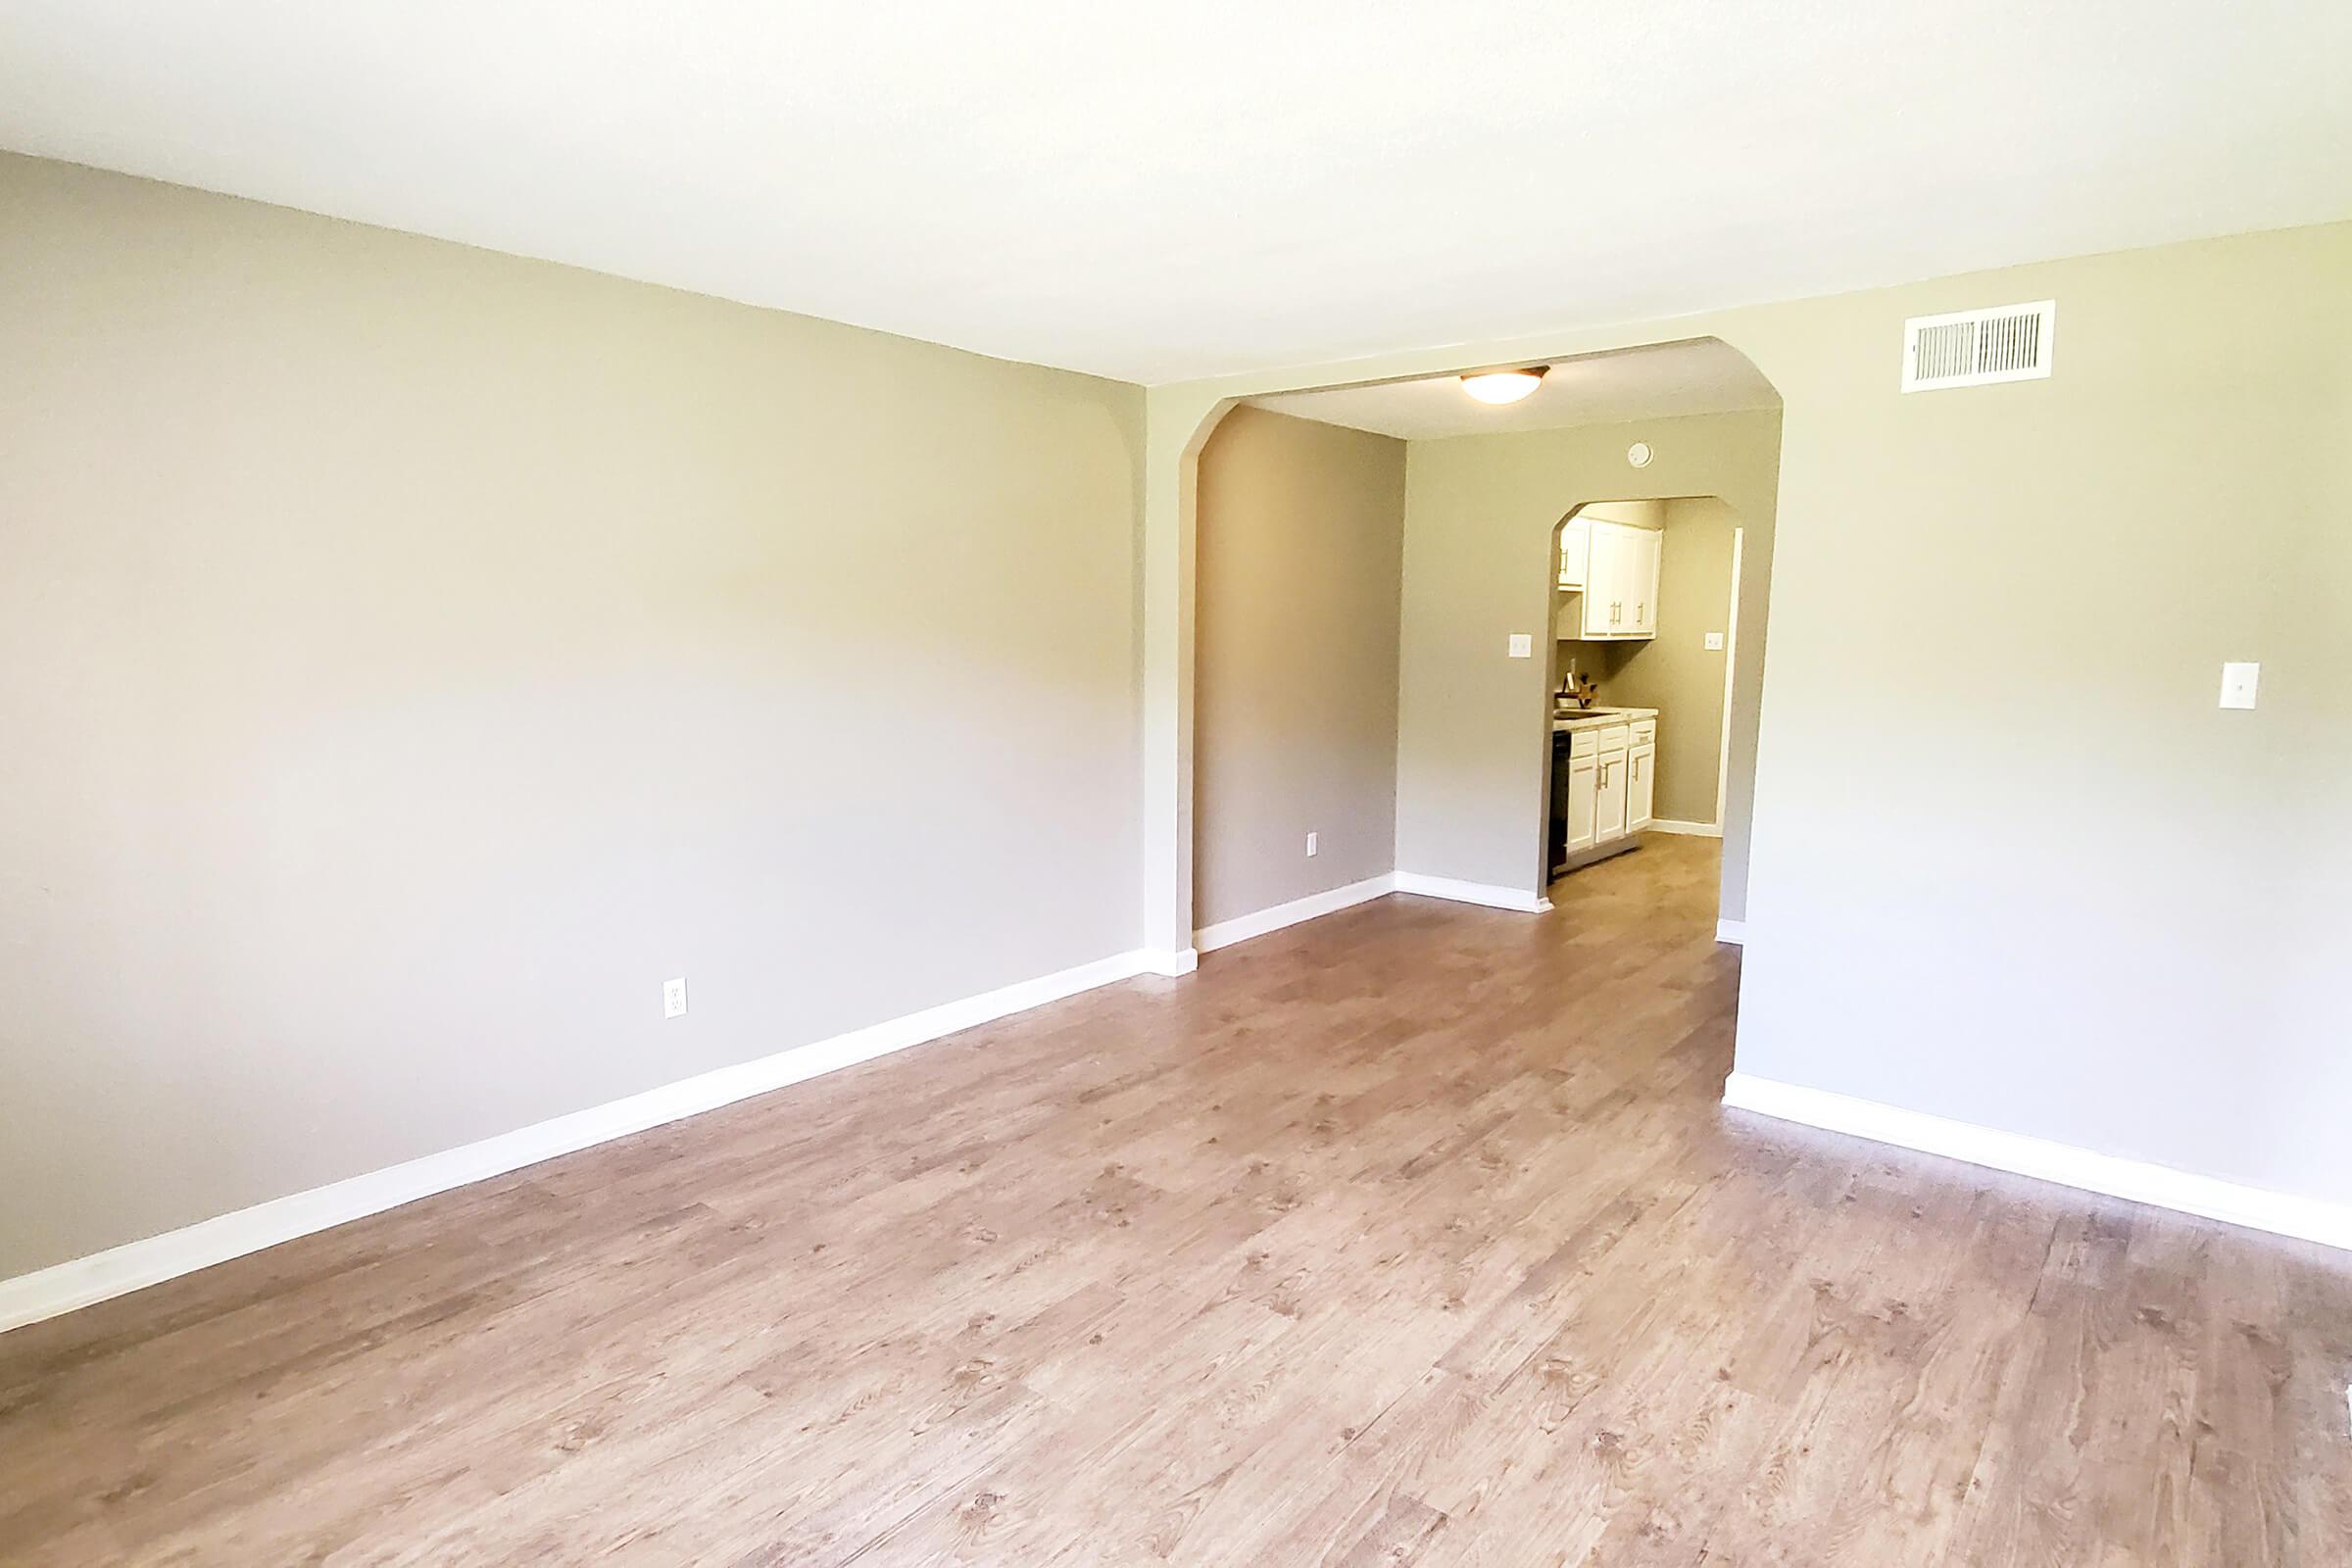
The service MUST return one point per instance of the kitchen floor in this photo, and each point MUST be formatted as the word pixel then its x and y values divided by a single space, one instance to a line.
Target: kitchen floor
pixel 1411 1235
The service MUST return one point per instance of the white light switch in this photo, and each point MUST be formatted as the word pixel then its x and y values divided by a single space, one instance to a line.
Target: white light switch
pixel 1523 645
pixel 1714 642
pixel 673 998
pixel 1311 846
pixel 2237 684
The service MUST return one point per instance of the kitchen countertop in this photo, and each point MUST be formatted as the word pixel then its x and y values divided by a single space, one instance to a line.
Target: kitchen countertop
pixel 1594 716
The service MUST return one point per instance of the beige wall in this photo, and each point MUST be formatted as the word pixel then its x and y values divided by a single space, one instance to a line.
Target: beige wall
pixel 1302 534
pixel 410 656
pixel 2060 893
pixel 1674 673
pixel 1481 530
pixel 2064 895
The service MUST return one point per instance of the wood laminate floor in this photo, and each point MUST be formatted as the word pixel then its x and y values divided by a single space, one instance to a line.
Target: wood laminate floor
pixel 1415 1235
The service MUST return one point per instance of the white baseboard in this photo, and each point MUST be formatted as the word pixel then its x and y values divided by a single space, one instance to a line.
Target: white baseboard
pixel 135 1265
pixel 2309 1219
pixel 1734 931
pixel 1695 830
pixel 1170 961
pixel 1242 927
pixel 1485 893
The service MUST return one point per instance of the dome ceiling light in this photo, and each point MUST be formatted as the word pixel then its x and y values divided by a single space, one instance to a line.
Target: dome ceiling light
pixel 1503 387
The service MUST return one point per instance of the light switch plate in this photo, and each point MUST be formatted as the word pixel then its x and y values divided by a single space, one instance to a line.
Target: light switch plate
pixel 1311 846
pixel 2238 683
pixel 1714 642
pixel 1523 645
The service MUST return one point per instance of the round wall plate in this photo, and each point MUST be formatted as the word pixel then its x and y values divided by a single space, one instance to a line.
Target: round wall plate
pixel 1639 453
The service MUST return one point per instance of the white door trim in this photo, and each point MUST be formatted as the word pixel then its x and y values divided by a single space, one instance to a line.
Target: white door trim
pixel 1731 665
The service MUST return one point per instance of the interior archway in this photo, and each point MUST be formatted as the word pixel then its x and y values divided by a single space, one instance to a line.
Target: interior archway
pixel 1469 584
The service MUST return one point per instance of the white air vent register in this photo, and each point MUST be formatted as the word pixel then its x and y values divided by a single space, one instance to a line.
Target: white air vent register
pixel 1977 348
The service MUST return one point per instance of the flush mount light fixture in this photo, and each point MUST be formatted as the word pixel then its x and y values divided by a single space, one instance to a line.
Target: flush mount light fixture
pixel 1503 387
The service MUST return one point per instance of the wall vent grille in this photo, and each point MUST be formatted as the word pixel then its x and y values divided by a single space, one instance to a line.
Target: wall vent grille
pixel 1978 348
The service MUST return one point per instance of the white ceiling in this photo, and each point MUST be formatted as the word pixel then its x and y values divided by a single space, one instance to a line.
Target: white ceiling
pixel 1156 191
pixel 1699 377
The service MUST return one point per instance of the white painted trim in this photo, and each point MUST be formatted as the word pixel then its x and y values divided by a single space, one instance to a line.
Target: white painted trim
pixel 1732 931
pixel 1730 669
pixel 1695 830
pixel 135 1265
pixel 1485 893
pixel 1178 962
pixel 2309 1219
pixel 1242 927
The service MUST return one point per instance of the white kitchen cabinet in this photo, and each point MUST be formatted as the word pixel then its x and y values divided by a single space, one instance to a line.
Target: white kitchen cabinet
pixel 1575 552
pixel 1648 557
pixel 1584 778
pixel 1621 582
pixel 1604 786
pixel 1604 572
pixel 1609 792
pixel 1640 787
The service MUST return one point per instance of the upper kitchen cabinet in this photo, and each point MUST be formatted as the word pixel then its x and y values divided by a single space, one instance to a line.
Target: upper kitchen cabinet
pixel 1621 581
pixel 1649 558
pixel 1576 551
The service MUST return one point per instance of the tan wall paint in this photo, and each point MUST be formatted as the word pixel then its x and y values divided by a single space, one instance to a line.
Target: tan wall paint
pixel 410 656
pixel 1481 528
pixel 1674 673
pixel 1301 538
pixel 2062 896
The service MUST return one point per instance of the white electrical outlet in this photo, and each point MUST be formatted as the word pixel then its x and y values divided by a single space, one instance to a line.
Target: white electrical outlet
pixel 2238 683
pixel 1311 846
pixel 673 998
pixel 1714 642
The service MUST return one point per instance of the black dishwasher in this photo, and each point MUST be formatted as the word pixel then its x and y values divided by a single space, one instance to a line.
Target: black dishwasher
pixel 1556 838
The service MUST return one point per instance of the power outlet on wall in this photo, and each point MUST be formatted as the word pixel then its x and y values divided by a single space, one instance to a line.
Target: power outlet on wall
pixel 673 998
pixel 1311 846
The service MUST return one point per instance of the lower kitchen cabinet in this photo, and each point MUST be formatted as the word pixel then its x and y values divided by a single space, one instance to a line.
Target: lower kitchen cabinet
pixel 1604 786
pixel 1640 787
pixel 1583 777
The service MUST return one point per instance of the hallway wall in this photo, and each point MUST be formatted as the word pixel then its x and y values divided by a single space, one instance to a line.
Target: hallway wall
pixel 1300 543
